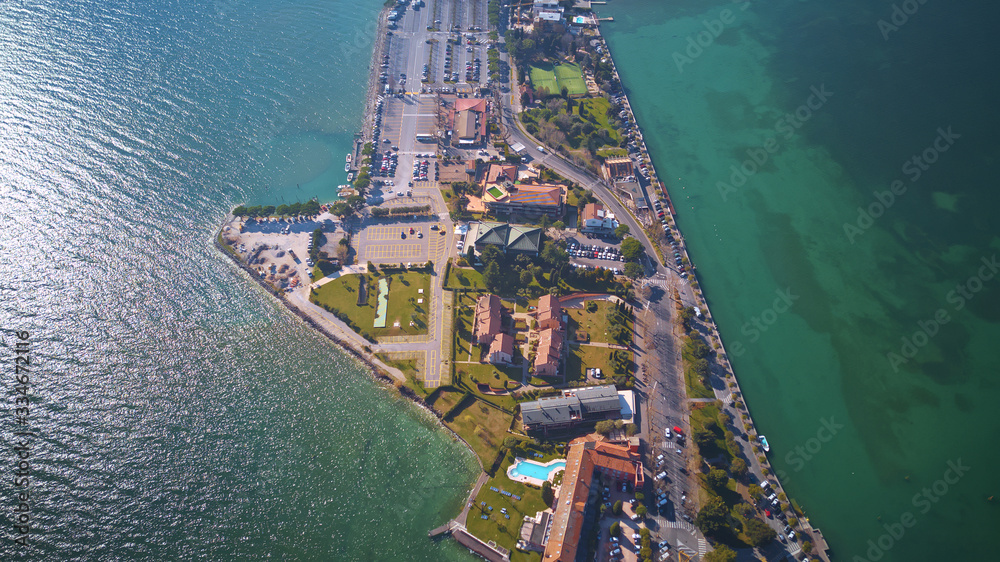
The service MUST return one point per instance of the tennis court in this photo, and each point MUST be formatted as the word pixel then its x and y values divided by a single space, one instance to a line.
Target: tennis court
pixel 556 77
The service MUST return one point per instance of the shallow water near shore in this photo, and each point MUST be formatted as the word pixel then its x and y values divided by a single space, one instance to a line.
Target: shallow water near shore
pixel 180 412
pixel 858 434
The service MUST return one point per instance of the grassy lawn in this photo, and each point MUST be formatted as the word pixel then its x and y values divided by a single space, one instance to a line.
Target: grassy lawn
pixel 410 368
pixel 706 416
pixel 493 375
pixel 463 333
pixel 589 117
pixel 446 400
pixel 464 278
pixel 583 357
pixel 342 294
pixel 497 528
pixel 612 152
pixel 555 77
pixel 595 324
pixel 483 427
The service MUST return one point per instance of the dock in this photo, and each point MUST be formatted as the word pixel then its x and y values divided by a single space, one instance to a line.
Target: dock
pixel 445 529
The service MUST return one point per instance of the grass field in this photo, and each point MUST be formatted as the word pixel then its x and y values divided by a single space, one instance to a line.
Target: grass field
pixel 556 77
pixel 464 278
pixel 583 357
pixel 446 400
pixel 595 324
pixel 492 375
pixel 483 427
pixel 342 294
pixel 496 527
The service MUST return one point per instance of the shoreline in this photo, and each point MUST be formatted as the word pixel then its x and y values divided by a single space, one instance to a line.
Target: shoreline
pixel 820 546
pixel 378 372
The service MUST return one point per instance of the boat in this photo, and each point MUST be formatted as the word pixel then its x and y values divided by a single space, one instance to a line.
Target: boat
pixel 347 166
pixel 763 443
pixel 350 176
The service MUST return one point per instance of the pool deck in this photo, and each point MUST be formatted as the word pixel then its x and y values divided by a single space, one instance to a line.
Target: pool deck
pixel 531 480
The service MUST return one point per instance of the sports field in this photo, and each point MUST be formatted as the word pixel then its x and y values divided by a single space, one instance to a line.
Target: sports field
pixel 557 77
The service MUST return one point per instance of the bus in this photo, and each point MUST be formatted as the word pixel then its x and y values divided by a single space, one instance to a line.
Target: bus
pixel 426 138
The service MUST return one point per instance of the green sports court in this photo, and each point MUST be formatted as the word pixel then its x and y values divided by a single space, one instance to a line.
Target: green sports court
pixel 556 77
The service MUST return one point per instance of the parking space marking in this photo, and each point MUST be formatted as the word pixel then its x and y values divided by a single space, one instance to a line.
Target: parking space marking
pixel 393 251
pixel 373 233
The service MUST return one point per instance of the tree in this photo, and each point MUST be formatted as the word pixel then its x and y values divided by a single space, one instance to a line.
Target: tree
pixel 633 270
pixel 548 496
pixel 704 439
pixel 555 256
pixel 615 529
pixel 759 533
pixel 639 496
pixel 712 517
pixel 604 427
pixel 490 254
pixel 617 508
pixel 738 468
pixel 756 494
pixel 632 249
pixel 722 553
pixel 491 277
pixel 717 479
pixel 641 510
pixel 525 277
pixel 621 231
pixel 559 225
pixel 510 442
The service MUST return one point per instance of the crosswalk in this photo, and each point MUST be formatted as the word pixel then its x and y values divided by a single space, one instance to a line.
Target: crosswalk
pixel 683 525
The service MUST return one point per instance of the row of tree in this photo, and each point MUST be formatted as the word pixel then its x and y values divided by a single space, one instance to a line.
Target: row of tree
pixel 310 207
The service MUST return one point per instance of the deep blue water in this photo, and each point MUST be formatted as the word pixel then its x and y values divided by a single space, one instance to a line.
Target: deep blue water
pixel 180 413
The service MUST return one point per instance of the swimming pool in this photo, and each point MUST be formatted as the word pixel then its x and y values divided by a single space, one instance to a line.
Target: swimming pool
pixel 533 470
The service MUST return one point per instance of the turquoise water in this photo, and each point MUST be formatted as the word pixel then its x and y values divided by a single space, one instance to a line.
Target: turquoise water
pixel 788 118
pixel 536 470
pixel 180 412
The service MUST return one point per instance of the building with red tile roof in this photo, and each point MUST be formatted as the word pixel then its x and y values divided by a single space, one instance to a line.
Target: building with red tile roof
pixel 529 200
pixel 488 319
pixel 502 349
pixel 549 313
pixel 548 358
pixel 586 460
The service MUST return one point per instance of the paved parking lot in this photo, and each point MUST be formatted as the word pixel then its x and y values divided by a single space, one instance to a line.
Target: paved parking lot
pixel 383 243
pixel 582 256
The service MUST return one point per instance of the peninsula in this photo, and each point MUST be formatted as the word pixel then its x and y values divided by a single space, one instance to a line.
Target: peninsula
pixel 506 255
